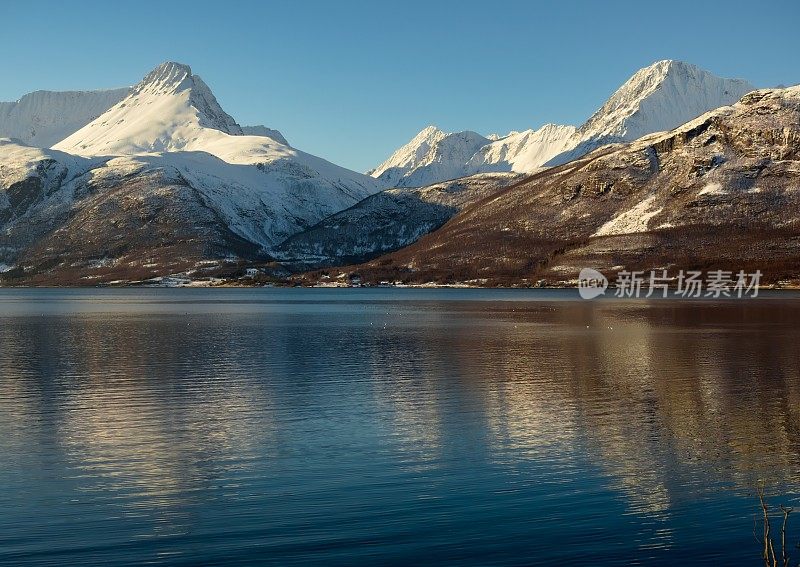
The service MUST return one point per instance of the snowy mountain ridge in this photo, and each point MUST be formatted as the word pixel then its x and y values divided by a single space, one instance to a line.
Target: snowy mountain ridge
pixel 43 118
pixel 163 180
pixel 173 115
pixel 661 97
pixel 430 155
pixel 656 98
pixel 718 190
pixel 261 130
pixel 522 152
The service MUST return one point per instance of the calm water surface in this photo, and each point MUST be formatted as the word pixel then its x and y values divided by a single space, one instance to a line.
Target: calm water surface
pixel 343 427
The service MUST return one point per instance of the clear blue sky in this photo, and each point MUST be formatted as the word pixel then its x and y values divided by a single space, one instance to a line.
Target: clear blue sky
pixel 350 81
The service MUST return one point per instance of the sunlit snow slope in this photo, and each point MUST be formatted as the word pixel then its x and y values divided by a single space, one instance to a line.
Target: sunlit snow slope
pixel 43 118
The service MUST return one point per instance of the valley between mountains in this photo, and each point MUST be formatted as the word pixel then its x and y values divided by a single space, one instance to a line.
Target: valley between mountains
pixel 157 184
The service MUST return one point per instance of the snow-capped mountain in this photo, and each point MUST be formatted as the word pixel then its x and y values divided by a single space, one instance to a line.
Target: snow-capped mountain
pixel 656 98
pixel 659 98
pixel 173 118
pixel 431 156
pixel 43 118
pixel 168 153
pixel 170 110
pixel 158 178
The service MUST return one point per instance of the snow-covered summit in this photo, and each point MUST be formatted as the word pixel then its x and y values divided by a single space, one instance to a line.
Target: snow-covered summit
pixel 45 118
pixel 661 97
pixel 657 98
pixel 169 76
pixel 431 156
pixel 172 78
pixel 169 110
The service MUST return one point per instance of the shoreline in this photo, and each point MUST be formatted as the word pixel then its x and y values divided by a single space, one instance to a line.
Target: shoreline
pixel 240 285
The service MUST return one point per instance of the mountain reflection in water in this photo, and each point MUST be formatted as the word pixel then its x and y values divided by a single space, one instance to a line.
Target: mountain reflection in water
pixel 390 426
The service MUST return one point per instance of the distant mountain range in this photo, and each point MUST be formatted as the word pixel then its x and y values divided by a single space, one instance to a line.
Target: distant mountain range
pixel 156 179
pixel 657 98
pixel 721 192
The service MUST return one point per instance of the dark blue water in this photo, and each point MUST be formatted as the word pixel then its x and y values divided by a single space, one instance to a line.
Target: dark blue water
pixel 357 427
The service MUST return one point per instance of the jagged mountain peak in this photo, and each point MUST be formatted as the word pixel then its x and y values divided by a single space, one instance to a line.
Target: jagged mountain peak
pixel 171 78
pixel 661 97
pixel 209 190
pixel 431 130
pixel 167 77
pixel 427 136
pixel 721 188
pixel 171 109
pixel 434 134
pixel 432 155
pixel 647 79
pixel 522 152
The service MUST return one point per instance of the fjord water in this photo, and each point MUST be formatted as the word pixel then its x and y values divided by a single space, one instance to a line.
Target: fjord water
pixel 391 426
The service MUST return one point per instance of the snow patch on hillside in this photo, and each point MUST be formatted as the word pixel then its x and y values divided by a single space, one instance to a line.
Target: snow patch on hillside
pixel 630 221
pixel 711 189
